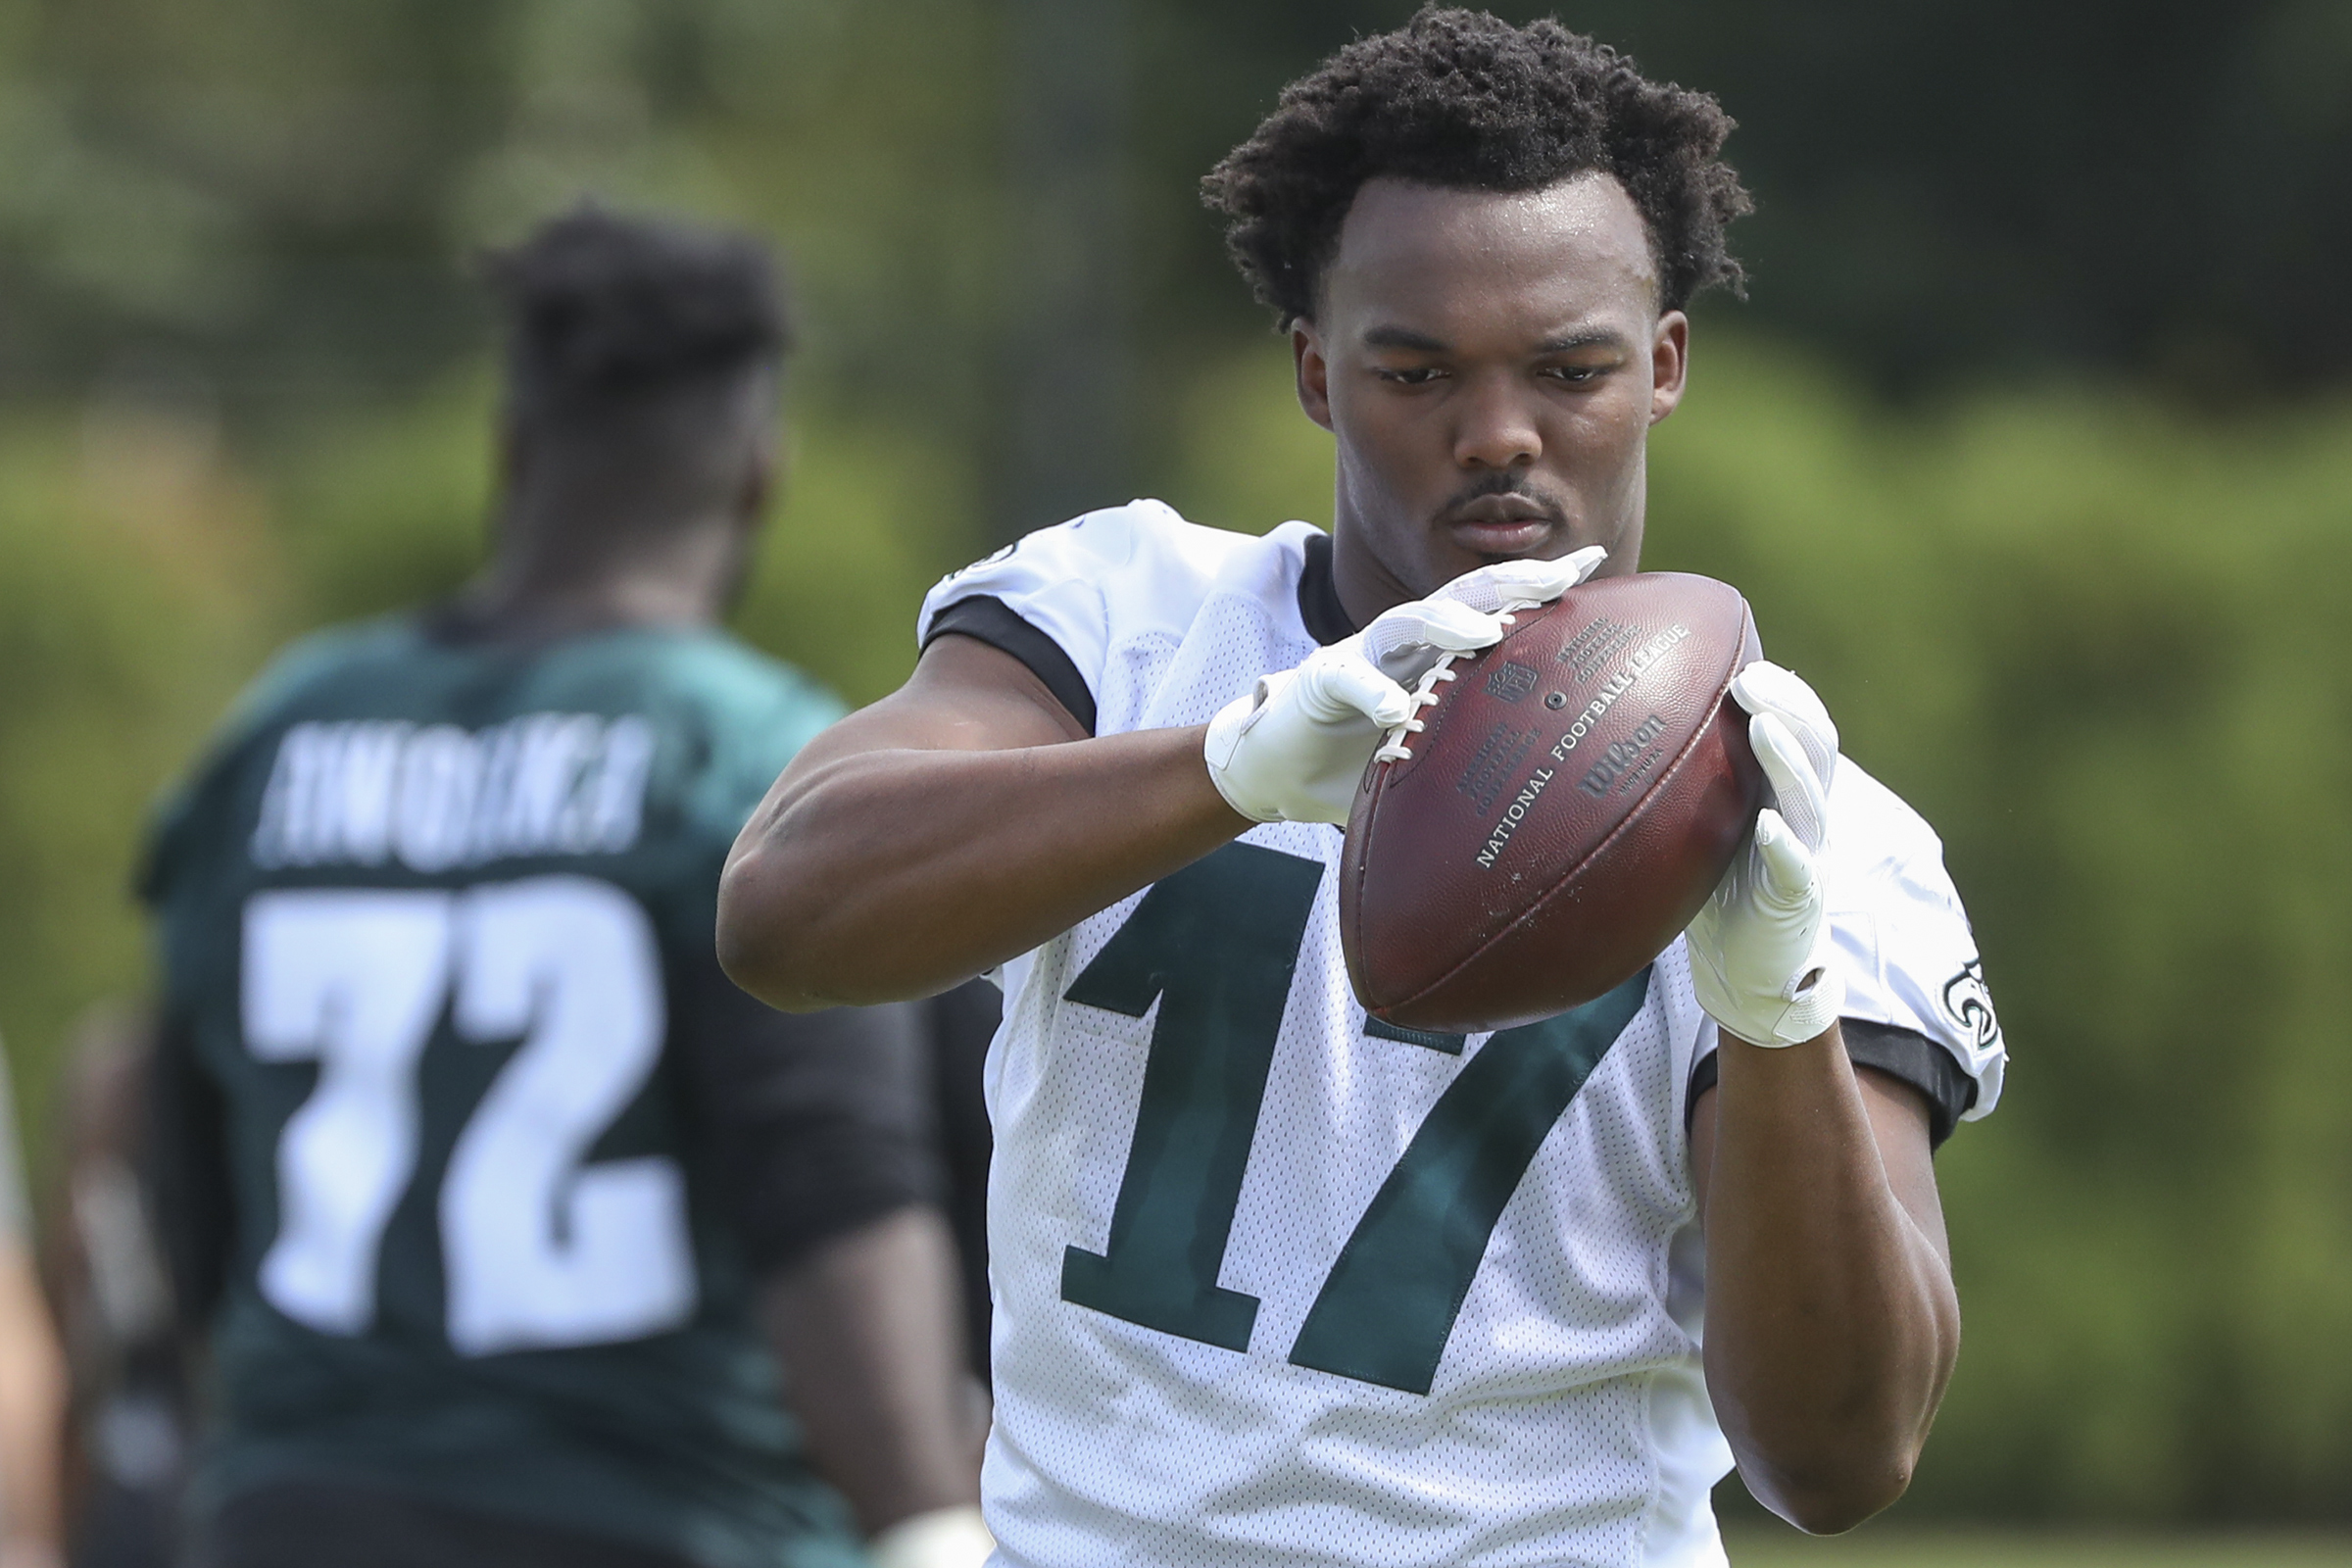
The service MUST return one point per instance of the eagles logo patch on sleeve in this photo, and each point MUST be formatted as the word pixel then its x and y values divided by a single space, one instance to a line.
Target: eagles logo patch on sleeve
pixel 1969 1005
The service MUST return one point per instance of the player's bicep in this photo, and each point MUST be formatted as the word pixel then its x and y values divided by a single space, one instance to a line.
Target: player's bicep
pixel 807 849
pixel 965 696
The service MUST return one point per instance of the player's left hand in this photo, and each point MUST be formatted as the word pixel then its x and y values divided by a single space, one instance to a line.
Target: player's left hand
pixel 1761 960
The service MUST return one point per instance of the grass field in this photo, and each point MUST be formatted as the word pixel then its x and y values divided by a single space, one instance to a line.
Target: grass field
pixel 1757 1548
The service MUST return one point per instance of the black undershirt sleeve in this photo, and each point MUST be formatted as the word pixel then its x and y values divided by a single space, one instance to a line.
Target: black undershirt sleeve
pixel 993 622
pixel 961 1023
pixel 808 1125
pixel 1901 1054
pixel 184 1168
pixel 1319 608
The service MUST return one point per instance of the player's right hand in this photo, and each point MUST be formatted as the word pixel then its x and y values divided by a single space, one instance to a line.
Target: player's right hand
pixel 1293 749
pixel 1762 962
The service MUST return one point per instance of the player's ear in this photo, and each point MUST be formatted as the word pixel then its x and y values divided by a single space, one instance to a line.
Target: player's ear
pixel 1314 373
pixel 767 450
pixel 1669 364
pixel 750 497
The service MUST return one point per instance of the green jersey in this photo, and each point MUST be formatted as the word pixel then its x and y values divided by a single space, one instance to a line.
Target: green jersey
pixel 436 931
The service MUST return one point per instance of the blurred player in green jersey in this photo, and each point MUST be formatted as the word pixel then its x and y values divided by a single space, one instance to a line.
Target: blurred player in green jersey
pixel 501 1205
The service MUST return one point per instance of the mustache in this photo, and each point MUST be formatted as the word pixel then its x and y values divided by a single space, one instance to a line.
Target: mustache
pixel 1504 484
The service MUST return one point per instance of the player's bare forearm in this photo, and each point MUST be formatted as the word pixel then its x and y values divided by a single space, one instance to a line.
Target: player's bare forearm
pixel 1832 1322
pixel 949 829
pixel 873 1367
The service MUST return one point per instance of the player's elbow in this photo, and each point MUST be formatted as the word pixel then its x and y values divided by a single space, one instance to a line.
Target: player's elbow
pixel 1834 1499
pixel 768 935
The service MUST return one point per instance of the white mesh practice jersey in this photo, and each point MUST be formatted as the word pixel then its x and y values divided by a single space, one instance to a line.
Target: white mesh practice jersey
pixel 1276 1287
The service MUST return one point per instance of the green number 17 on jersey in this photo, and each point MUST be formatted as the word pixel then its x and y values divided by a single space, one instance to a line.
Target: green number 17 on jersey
pixel 1216 945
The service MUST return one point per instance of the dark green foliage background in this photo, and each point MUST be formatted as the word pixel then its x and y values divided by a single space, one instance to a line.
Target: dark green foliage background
pixel 2030 449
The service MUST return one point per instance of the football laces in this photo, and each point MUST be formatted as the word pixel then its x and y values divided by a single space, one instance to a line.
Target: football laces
pixel 1425 693
pixel 1396 748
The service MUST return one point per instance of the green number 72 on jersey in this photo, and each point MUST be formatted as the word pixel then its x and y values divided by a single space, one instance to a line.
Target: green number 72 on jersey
pixel 1215 945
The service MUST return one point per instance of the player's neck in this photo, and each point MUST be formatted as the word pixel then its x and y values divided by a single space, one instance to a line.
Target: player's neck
pixel 539 594
pixel 1365 586
pixel 508 610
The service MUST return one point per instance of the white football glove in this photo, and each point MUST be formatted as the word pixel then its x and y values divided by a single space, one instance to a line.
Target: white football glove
pixel 1761 957
pixel 945 1537
pixel 1293 749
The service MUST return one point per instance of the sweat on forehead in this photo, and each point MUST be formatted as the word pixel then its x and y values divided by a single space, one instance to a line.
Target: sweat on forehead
pixel 1464 101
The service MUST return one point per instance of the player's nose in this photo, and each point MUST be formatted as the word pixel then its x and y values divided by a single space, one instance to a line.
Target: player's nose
pixel 1495 427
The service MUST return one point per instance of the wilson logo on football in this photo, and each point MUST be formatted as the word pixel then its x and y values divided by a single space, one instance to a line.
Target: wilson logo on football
pixel 1620 755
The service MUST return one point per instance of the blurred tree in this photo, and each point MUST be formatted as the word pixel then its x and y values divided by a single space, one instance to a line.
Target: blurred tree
pixel 281 193
pixel 1067 342
pixel 136 585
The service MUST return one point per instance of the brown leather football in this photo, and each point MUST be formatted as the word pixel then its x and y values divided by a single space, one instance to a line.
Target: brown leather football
pixel 1574 795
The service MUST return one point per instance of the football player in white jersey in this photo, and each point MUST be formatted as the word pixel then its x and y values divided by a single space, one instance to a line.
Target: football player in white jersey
pixel 1277 1283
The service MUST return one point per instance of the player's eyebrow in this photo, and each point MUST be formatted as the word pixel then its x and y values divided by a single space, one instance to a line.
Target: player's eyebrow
pixel 1404 337
pixel 1596 337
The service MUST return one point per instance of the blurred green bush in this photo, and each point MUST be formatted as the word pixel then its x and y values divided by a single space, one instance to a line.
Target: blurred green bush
pixel 138 585
pixel 2099 645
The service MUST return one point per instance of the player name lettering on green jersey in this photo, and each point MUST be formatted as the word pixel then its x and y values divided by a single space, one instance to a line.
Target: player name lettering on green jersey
pixel 433 796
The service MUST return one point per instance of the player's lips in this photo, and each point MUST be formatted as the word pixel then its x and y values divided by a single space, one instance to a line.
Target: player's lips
pixel 1501 525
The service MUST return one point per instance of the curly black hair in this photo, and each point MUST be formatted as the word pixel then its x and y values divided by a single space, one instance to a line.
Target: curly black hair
pixel 1464 100
pixel 602 308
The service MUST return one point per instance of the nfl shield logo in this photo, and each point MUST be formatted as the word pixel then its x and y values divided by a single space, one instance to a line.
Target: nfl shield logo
pixel 1511 682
